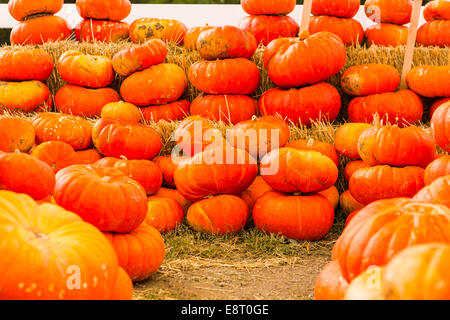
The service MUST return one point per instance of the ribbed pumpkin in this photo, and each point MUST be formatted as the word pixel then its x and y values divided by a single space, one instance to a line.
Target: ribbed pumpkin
pixel 81 101
pixel 104 197
pixel 296 217
pixel 57 154
pixel 73 130
pixel 343 8
pixel 175 195
pixel 223 214
pixel 389 11
pixel 275 7
pixel 346 139
pixel 386 34
pixel 291 170
pixel 266 28
pixel 167 30
pixel 436 169
pixel 40 30
pixel 115 10
pixel 440 126
pixel 22 9
pixel 128 61
pixel 348 203
pixel 84 268
pixel 438 192
pixel 302 106
pixel 364 80
pixel 123 289
pixel 20 65
pixel 216 171
pixel 384 182
pixel 400 147
pixel 140 252
pixel 330 284
pixel 351 168
pixel 437 10
pixel 332 195
pixel 434 33
pixel 164 214
pixel 89 156
pixel 174 111
pixel 324 148
pixel 146 172
pixel 349 30
pixel 226 42
pixel 403 108
pixel 116 138
pixel 19 134
pixel 430 81
pixel 24 96
pixel 229 76
pixel 91 30
pixel 292 62
pixel 121 110
pixel 190 39
pixel 255 191
pixel 168 165
pixel 159 84
pixel 22 173
pixel 386 227
pixel 436 104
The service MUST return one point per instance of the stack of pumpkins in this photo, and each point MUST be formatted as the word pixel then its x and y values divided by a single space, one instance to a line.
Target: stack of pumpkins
pixel 436 31
pixel 38 24
pixel 336 17
pixel 102 20
pixel 390 17
pixel 226 76
pixel 268 20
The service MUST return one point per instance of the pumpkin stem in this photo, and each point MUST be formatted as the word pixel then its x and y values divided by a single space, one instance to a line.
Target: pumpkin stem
pixel 304 34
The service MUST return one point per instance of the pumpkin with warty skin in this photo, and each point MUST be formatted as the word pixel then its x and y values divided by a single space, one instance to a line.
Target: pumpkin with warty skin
pixel 346 139
pixel 121 110
pixel 190 39
pixel 167 30
pixel 434 33
pixel 255 191
pixel 384 182
pixel 223 214
pixel 317 102
pixel 437 10
pixel 266 28
pixel 90 30
pixel 386 227
pixel 348 203
pixel 175 195
pixel 296 217
pixel 351 168
pixel 115 10
pixel 20 65
pixel 436 169
pixel 342 9
pixel 440 126
pixel 349 30
pixel 386 34
pixel 22 173
pixel 292 62
pixel 57 154
pixel 438 192
pixel 324 148
pixel 164 214
pixel 275 7
pixel 123 289
pixel 291 170
pixel 19 134
pixel 330 284
pixel 174 111
pixel 389 11
pixel 104 197
pixel 22 9
pixel 25 96
pixel 40 30
pixel 117 138
pixel 44 246
pixel 430 81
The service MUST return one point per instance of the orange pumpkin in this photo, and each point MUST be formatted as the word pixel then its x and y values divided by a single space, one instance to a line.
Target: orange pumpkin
pixel 175 195
pixel 174 111
pixel 224 214
pixel 255 191
pixel 436 104
pixel 114 10
pixel 332 195
pixel 330 284
pixel 297 217
pixel 168 166
pixel 20 65
pixel 346 139
pixel 89 156
pixel 387 35
pixel 123 289
pixel 324 148
pixel 121 110
pixel 351 168
pixel 57 154
pixel 438 192
pixel 366 286
pixel 164 214
pixel 389 11
pixel 22 9
pixel 343 9
pixel 430 81
pixel 349 30
pixel 437 10
pixel 167 30
pixel 348 203
pixel 440 126
pixel 24 96
pixel 436 169
pixel 434 33
pixel 91 30
pixel 276 7
pixel 19 134
pixel 104 197
pixel 190 39
pixel 40 30
pixel 266 28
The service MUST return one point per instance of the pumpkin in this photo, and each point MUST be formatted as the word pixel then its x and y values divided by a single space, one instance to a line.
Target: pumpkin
pixel 384 228
pixel 436 169
pixel 389 11
pixel 436 104
pixel 366 286
pixel 146 172
pixel 437 10
pixel 387 35
pixel 296 217
pixel 226 42
pixel 276 7
pixel 114 10
pixel 318 102
pixel 24 96
pixel 400 147
pixel 22 173
pixel 349 30
pixel 384 182
pixel 104 197
pixel 364 80
pixel 89 156
pixel 140 252
pixel 21 9
pixel 342 9
pixel 174 111
pixel 229 76
pixel 434 33
pixel 332 195
pixel 159 84
pixel 128 61
pixel 292 62
pixel 438 192
pixel 215 171
pixel 117 138
pixel 175 195
pixel 85 70
pixel 266 28
pixel 20 65
pixel 168 165
pixel 224 214
pixel 19 134
pixel 227 108
pixel 190 39
pixel 330 284
pixel 121 110
pixel 346 139
pixel 73 130
pixel 348 203
pixel 164 214
pixel 84 268
pixel 259 135
pixel 57 154
pixel 324 148
pixel 440 126
pixel 353 214
pixel 403 108
pixel 430 81
pixel 90 30
pixel 351 168
pixel 81 101
pixel 292 170
pixel 255 191
pixel 123 289
pixel 167 30
pixel 40 30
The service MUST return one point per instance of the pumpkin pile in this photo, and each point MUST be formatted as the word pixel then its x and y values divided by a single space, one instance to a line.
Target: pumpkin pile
pixel 436 30
pixel 268 20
